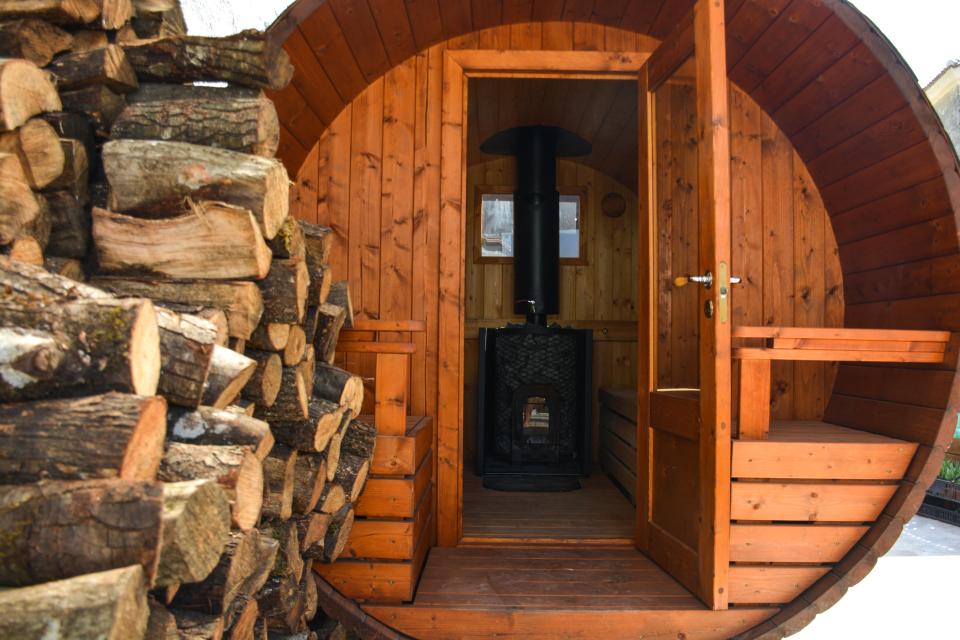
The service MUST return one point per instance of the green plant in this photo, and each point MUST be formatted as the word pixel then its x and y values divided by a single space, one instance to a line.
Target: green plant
pixel 950 471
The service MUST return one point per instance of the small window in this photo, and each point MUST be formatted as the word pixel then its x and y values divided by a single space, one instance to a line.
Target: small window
pixel 496 225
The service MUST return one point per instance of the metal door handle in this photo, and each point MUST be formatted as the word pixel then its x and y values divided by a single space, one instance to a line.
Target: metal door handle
pixel 706 280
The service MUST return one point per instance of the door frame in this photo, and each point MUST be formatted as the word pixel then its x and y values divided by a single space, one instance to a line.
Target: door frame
pixel 459 65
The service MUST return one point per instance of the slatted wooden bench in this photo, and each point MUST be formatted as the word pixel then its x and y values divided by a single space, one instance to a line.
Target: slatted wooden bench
pixel 618 437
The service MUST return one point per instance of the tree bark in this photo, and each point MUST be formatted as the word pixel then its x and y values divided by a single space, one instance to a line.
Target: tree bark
pixel 208 425
pixel 332 499
pixel 321 279
pixel 235 468
pixel 37 146
pixel 111 605
pixel 100 102
pixel 78 127
pixel 340 296
pixel 352 474
pixel 34 40
pixel 285 291
pixel 277 598
pixel 151 178
pixel 56 530
pixel 309 478
pixel 25 91
pixel 291 403
pixel 318 241
pixel 289 241
pixel 270 336
pixel 18 204
pixel 311 530
pixel 330 319
pixel 229 373
pixel 242 617
pixel 338 386
pixel 196 526
pixel 289 561
pixel 109 436
pixel 216 317
pixel 215 593
pixel 160 23
pixel 264 384
pixel 70 225
pixel 186 350
pixel 193 625
pixel 248 59
pixel 360 439
pixel 66 267
pixel 313 433
pixel 338 534
pixel 278 482
pixel 241 301
pixel 107 66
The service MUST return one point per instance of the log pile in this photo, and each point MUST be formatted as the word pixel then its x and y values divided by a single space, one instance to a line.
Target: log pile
pixel 178 447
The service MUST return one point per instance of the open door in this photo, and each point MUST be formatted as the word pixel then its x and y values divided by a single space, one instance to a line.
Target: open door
pixel 683 505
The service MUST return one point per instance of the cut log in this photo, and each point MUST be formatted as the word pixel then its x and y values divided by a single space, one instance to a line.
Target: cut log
pixel 25 283
pixel 109 436
pixel 331 629
pixel 330 319
pixel 186 349
pixel 76 170
pixel 241 618
pixel 311 530
pixel 88 40
pixel 360 439
pixel 308 585
pixel 338 534
pixel 115 13
pixel 270 336
pixel 238 344
pixel 161 625
pixel 232 118
pixel 214 241
pixel 312 433
pixel 34 40
pixel 55 530
pixel 66 267
pixel 160 23
pixel 268 550
pixel 264 384
pixel 309 478
pixel 79 127
pixel 208 425
pixel 289 241
pixel 100 102
pixel 38 148
pixel 25 91
pixel 39 228
pixel 247 59
pixel 107 345
pixel 321 279
pixel 18 204
pixel 152 178
pixel 69 225
pixel 56 11
pixel 285 291
pixel 194 625
pixel 111 605
pixel 318 241
pixel 25 250
pixel 308 366
pixel 277 599
pixel 310 323
pixel 295 349
pixel 340 296
pixel 332 499
pixel 289 561
pixel 229 373
pixel 278 482
pixel 215 593
pixel 338 386
pixel 352 474
pixel 196 526
pixel 235 468
pixel 215 317
pixel 333 449
pixel 241 301
pixel 107 66
pixel 291 403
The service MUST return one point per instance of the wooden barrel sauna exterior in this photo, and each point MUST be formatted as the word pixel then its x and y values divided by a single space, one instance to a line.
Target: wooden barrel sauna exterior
pixel 834 86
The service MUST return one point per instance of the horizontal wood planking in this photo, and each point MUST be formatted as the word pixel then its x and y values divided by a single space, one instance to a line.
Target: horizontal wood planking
pixel 676 412
pixel 622 401
pixel 386 497
pixel 614 422
pixel 387 539
pixel 796 543
pixel 401 455
pixel 813 502
pixel 771 585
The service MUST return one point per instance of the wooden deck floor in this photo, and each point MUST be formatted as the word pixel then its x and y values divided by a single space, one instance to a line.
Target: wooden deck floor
pixel 598 513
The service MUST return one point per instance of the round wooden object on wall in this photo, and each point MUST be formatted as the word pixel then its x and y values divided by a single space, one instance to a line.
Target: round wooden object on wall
pixel 613 205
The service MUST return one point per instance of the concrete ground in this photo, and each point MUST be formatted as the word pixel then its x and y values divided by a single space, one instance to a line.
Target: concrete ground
pixel 912 593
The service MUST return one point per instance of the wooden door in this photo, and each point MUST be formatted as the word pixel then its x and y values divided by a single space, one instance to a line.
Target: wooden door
pixel 684 383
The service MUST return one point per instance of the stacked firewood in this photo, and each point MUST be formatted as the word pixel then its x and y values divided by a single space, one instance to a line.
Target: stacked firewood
pixel 172 419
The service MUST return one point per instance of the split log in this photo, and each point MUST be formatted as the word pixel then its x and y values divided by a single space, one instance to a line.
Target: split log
pixel 100 102
pixel 161 625
pixel 238 344
pixel 278 482
pixel 216 317
pixel 247 59
pixel 270 336
pixel 241 301
pixel 333 449
pixel 295 349
pixel 107 66
pixel 360 439
pixel 312 530
pixel 109 436
pixel 235 468
pixel 111 605
pixel 264 384
pixel 76 170
pixel 115 13
pixel 312 433
pixel 18 204
pixel 213 241
pixel 34 40
pixel 352 474
pixel 338 386
pixel 311 321
pixel 196 526
pixel 321 279
pixel 55 530
pixel 88 40
pixel 186 350
pixel 215 593
pixel 332 499
pixel 232 118
pixel 70 225
pixel 159 23
pixel 229 373
pixel 338 533
pixel 340 296
pixel 289 561
pixel 151 178
pixel 309 478
pixel 330 319
pixel 242 617
pixel 66 267
pixel 268 549
pixel 308 586
pixel 25 91
pixel 40 227
pixel 37 146
pixel 291 403
pixel 208 425
pixel 76 126
pixel 107 345
pixel 285 291
pixel 331 629
pixel 25 250
pixel 318 241
pixel 289 241
pixel 193 625
pixel 55 11
pixel 308 366
pixel 277 599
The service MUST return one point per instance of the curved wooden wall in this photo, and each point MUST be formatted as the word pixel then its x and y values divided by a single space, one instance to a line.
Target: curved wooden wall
pixel 836 88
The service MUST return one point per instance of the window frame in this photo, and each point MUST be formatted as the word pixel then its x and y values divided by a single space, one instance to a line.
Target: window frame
pixel 478 193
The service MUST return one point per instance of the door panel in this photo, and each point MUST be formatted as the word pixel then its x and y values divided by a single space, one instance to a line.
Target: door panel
pixel 684 391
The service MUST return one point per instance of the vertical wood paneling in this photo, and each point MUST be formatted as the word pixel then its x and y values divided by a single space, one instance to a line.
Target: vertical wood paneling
pixel 333 189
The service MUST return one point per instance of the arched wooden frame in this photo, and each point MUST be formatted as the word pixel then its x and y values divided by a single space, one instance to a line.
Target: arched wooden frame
pixel 458 67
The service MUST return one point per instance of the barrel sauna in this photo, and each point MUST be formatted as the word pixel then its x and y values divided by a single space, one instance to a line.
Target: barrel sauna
pixel 843 192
